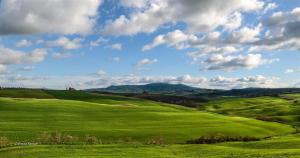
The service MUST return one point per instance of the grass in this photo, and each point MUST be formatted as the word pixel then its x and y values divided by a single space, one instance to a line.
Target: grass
pixel 115 119
pixel 279 109
pixel 281 147
pixel 24 119
pixel 24 93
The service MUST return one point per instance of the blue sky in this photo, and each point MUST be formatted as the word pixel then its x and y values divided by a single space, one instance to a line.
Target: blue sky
pixel 97 43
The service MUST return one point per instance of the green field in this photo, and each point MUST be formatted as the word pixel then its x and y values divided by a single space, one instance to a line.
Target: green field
pixel 278 147
pixel 114 120
pixel 285 109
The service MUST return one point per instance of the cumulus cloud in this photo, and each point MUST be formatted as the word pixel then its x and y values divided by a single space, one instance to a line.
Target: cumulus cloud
pixel 3 69
pixel 134 3
pixel 117 46
pixel 213 13
pixel 98 42
pixel 282 32
pixel 296 70
pixel 245 35
pixel 101 73
pixel 229 63
pixel 210 50
pixel 245 82
pixel 177 39
pixel 102 79
pixel 66 43
pixel 270 6
pixel 61 55
pixel 24 43
pixel 10 57
pixel 116 59
pixel 27 68
pixel 48 16
pixel 146 62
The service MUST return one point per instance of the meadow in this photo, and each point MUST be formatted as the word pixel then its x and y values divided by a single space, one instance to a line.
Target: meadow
pixel 124 126
pixel 284 108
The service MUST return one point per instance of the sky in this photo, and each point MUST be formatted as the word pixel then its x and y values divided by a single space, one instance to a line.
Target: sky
pixel 97 43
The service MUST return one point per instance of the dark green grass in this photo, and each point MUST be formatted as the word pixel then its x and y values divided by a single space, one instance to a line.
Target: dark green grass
pixel 24 93
pixel 24 119
pixel 278 109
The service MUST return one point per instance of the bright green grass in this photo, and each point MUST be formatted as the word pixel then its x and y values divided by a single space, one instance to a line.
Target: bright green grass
pixel 24 119
pixel 281 147
pixel 279 108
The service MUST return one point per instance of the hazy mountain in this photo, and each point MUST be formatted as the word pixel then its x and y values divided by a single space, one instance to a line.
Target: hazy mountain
pixel 155 88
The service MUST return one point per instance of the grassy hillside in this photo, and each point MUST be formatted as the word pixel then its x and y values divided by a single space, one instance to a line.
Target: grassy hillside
pixel 23 119
pixel 116 119
pixel 285 109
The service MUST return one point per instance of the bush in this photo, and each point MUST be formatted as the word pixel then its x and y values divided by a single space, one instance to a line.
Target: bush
pixel 68 139
pixel 156 141
pixel 4 142
pixel 218 138
pixel 91 140
pixel 44 138
pixel 56 138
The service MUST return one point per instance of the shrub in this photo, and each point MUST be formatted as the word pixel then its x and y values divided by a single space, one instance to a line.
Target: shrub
pixel 44 138
pixel 68 139
pixel 218 138
pixel 91 140
pixel 4 142
pixel 56 138
pixel 156 141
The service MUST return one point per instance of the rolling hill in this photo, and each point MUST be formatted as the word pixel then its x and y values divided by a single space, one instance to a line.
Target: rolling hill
pixel 125 125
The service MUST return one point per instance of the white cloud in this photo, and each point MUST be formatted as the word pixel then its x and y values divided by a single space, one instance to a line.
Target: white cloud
pixel 9 56
pixel 245 35
pixel 98 42
pixel 61 55
pixel 269 6
pixel 48 16
pixel 66 43
pixel 134 3
pixel 229 63
pixel 177 39
pixel 117 46
pixel 104 80
pixel 116 59
pixel 213 13
pixel 3 69
pixel 24 43
pixel 245 82
pixel 209 50
pixel 283 32
pixel 27 68
pixel 101 73
pixel 146 62
pixel 297 70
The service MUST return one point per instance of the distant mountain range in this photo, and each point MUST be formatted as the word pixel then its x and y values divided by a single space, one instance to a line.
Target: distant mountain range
pixel 184 90
pixel 155 88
